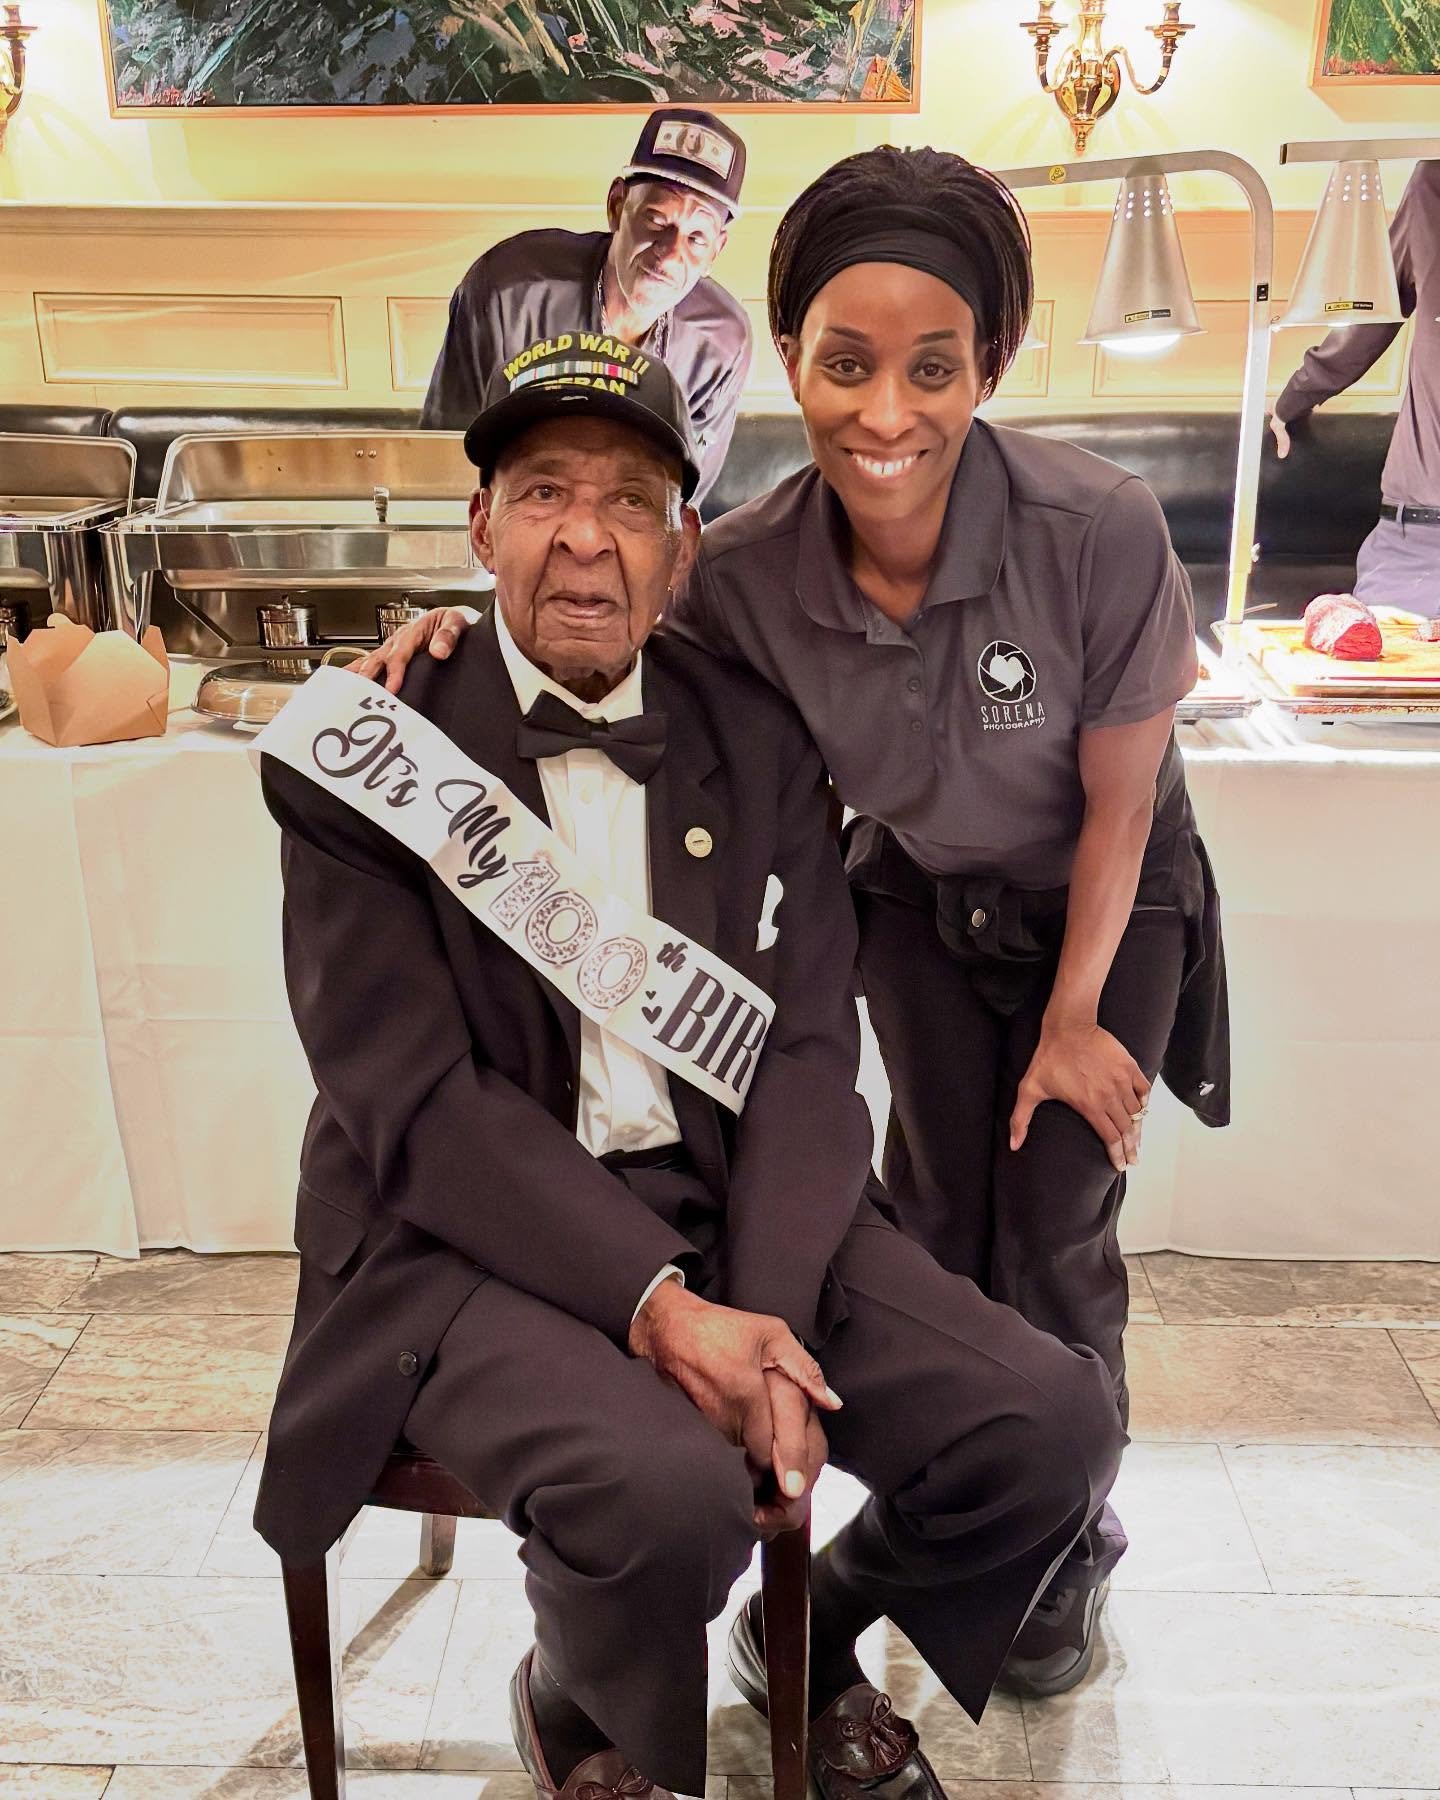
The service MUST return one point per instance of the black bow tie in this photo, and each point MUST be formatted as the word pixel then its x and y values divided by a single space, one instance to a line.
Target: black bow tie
pixel 550 728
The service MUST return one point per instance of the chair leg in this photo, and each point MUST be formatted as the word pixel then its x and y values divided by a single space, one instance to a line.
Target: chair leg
pixel 312 1605
pixel 437 1543
pixel 785 1597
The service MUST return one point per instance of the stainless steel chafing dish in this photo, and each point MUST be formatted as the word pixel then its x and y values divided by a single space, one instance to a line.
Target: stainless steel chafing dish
pixel 292 542
pixel 55 492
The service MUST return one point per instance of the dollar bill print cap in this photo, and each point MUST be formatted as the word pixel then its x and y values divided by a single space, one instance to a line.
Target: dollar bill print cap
pixel 577 372
pixel 695 150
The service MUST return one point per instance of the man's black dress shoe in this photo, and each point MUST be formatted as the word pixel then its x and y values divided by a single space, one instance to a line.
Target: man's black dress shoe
pixel 858 1745
pixel 1056 1645
pixel 604 1776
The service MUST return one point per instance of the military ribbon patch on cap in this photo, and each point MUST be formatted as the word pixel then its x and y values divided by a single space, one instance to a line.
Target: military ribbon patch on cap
pixel 580 372
pixel 614 359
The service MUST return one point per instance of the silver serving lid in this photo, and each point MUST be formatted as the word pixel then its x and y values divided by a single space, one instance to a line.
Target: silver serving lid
pixel 376 508
pixel 57 497
pixel 247 693
pixel 250 471
pixel 58 482
pixel 300 511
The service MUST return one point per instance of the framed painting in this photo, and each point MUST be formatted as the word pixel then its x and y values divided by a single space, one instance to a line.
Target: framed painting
pixel 1388 43
pixel 289 56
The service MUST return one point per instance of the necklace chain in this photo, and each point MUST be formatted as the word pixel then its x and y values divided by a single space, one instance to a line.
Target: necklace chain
pixel 659 331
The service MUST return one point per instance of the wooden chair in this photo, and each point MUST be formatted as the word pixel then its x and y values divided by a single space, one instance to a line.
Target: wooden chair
pixel 414 1483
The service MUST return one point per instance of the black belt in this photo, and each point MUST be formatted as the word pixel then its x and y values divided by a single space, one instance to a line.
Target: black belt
pixel 1405 514
pixel 674 1157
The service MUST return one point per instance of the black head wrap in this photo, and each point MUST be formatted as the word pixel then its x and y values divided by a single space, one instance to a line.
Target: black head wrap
pixel 916 236
pixel 928 209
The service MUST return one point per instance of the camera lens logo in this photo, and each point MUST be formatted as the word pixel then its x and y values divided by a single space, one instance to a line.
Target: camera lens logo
pixel 1006 672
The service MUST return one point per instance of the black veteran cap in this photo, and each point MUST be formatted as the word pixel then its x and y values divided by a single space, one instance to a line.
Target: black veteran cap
pixel 586 372
pixel 694 149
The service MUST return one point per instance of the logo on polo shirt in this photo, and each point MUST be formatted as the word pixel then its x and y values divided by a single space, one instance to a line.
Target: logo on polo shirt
pixel 1006 672
pixel 1008 681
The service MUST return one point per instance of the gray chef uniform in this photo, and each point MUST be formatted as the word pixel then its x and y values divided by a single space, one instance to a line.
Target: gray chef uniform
pixel 540 284
pixel 1057 603
pixel 1399 563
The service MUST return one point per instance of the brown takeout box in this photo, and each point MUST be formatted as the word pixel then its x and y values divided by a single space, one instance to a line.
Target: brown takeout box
pixel 76 686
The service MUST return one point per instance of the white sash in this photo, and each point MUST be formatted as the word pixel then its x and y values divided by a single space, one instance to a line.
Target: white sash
pixel 664 994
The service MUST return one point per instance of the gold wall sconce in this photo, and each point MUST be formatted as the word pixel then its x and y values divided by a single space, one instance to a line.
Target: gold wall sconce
pixel 1087 83
pixel 12 64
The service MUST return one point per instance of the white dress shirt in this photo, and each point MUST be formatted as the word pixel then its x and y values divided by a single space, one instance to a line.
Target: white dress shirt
pixel 599 812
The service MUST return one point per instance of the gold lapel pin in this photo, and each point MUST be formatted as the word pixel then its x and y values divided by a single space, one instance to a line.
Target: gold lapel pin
pixel 698 841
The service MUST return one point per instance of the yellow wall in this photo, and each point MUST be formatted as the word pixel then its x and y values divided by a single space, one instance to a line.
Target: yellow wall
pixel 323 280
pixel 315 304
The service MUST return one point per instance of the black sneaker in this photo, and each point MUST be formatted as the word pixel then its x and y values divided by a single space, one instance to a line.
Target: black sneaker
pixel 1056 1645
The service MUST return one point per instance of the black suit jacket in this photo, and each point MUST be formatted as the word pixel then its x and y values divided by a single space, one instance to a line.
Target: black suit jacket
pixel 441 1149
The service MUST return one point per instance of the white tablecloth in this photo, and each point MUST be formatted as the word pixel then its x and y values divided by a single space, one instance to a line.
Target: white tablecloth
pixel 153 1092
pixel 1327 855
pixel 154 1089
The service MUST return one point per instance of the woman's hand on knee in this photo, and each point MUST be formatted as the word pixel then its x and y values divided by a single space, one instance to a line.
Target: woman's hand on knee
pixel 1091 1072
pixel 439 630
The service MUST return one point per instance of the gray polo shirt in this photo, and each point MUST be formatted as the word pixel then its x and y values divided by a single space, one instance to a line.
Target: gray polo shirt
pixel 1412 468
pixel 540 283
pixel 1056 603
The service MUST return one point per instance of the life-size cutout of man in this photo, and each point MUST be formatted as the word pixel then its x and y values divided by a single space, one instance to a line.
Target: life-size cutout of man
pixel 647 280
pixel 614 1264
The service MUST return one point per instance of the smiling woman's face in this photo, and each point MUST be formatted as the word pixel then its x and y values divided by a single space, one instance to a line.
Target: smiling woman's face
pixel 888 375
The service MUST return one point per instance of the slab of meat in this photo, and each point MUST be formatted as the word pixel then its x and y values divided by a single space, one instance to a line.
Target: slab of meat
pixel 1320 606
pixel 1341 626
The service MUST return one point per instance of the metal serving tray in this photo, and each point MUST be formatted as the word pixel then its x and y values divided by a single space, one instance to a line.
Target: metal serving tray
pixel 1228 697
pixel 1349 709
pixel 1315 711
pixel 55 494
pixel 335 512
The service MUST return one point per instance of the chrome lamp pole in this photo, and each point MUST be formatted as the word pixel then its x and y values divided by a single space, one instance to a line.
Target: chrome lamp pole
pixel 1257 335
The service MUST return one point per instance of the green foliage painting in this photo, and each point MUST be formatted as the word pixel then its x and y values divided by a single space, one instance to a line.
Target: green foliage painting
pixel 442 53
pixel 1379 40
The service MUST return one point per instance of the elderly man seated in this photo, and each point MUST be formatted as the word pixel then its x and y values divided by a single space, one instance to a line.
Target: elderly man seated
pixel 585 1207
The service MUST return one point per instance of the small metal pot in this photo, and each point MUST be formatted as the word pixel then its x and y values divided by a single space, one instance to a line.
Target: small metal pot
pixel 390 615
pixel 286 622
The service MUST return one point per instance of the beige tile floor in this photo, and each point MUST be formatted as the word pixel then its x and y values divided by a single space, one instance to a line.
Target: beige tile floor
pixel 1274 1632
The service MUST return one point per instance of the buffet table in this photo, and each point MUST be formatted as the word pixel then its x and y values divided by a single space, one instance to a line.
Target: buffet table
pixel 154 1091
